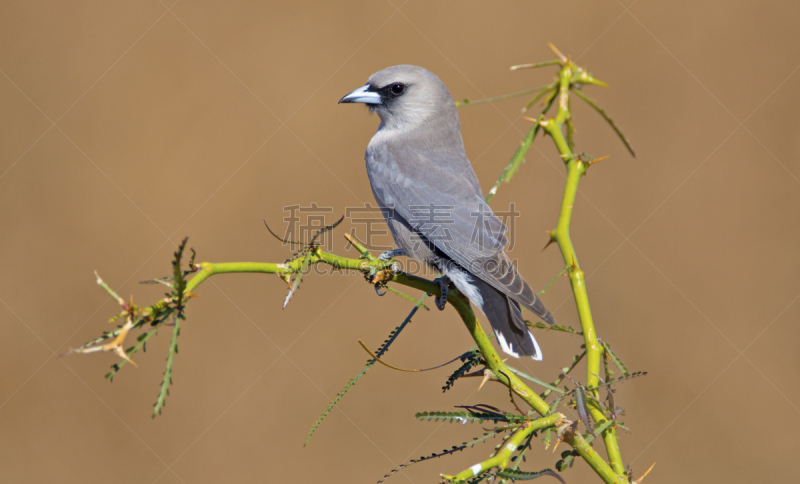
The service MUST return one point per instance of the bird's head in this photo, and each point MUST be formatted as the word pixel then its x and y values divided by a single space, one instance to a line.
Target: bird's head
pixel 405 97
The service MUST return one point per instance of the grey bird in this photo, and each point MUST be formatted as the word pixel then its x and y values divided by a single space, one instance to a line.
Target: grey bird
pixel 432 201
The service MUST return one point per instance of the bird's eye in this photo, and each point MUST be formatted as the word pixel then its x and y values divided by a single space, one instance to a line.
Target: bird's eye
pixel 397 89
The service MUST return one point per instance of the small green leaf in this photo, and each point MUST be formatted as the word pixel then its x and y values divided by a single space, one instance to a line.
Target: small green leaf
pixel 610 355
pixel 471 359
pixel 591 102
pixel 452 450
pixel 516 475
pixel 173 349
pixel 535 380
pixel 555 327
pixel 467 102
pixel 383 349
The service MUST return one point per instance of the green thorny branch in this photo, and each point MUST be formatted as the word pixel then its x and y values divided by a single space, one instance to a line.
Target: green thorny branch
pixel 521 428
pixel 572 77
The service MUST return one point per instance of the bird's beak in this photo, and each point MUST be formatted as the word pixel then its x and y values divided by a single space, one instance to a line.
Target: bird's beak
pixel 362 95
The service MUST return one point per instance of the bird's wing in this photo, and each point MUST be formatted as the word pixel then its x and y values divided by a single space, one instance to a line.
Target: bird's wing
pixel 438 194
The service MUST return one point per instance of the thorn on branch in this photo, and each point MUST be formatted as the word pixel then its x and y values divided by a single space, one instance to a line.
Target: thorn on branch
pixel 597 160
pixel 115 345
pixel 558 53
pixel 585 161
pixel 487 374
pixel 639 480
pixel 110 291
pixel 354 242
pixel 307 252
pixel 552 234
pixel 534 66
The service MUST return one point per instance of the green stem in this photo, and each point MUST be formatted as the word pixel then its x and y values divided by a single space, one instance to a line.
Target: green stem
pixel 503 456
pixel 594 460
pixel 504 375
pixel 209 269
pixel 493 361
pixel 594 351
pixel 461 304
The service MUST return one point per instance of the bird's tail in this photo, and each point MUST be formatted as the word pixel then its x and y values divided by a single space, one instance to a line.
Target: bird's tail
pixel 538 309
pixel 509 326
pixel 506 278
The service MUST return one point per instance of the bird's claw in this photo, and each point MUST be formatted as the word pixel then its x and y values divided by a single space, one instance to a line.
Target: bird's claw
pixel 444 283
pixel 378 288
pixel 391 254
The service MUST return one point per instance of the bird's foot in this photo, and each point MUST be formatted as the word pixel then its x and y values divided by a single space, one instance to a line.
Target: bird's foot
pixel 391 254
pixel 444 283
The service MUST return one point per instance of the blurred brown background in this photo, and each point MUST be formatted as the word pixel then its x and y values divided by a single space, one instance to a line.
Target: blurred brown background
pixel 127 126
